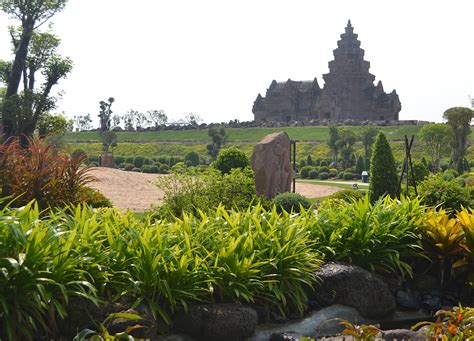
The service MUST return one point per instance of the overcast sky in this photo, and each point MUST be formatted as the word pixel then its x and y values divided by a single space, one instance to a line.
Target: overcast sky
pixel 213 57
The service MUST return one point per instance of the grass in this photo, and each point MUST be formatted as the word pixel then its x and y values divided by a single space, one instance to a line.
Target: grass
pixel 335 183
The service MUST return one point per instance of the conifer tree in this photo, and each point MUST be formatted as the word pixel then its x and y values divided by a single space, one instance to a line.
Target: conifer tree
pixel 360 165
pixel 383 176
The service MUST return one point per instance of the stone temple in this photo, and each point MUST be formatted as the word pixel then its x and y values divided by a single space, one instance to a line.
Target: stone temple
pixel 348 93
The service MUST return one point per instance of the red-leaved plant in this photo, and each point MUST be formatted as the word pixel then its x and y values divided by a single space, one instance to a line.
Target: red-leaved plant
pixel 39 172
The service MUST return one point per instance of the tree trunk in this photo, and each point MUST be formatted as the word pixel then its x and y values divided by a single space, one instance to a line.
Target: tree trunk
pixel 14 78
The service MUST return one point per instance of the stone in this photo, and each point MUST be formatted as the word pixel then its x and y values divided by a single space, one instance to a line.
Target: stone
pixel 217 322
pixel 402 335
pixel 354 287
pixel 432 304
pixel 319 323
pixel 348 94
pixel 425 283
pixel 271 163
pixel 407 299
pixel 107 160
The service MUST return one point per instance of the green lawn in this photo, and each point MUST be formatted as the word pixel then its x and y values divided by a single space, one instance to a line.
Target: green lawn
pixel 235 134
pixel 335 183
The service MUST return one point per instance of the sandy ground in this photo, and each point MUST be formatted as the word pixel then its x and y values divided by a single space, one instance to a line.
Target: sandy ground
pixel 136 191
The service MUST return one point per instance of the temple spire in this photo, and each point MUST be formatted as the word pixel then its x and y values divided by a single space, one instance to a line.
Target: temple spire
pixel 349 28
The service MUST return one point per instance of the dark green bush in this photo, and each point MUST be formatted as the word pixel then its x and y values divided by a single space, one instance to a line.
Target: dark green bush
pixel 93 158
pixel 323 163
pixel 147 161
pixel 154 169
pixel 128 166
pixel 347 195
pixel 94 164
pixel 163 159
pixel 137 170
pixel 340 175
pixel 332 173
pixel 448 194
pixel 302 163
pixel 119 159
pixel 444 165
pixel 129 160
pixel 420 170
pixel 348 176
pixel 313 174
pixel 304 171
pixel 138 161
pixel 78 152
pixel 291 202
pixel 164 169
pixel 309 161
pixel 146 169
pixel 450 174
pixel 324 176
pixel 231 158
pixel 192 158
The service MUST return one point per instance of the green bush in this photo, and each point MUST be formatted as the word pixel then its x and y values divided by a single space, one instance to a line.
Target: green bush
pixel 146 169
pixel 323 176
pixel 190 190
pixel 444 165
pixel 309 161
pixel 138 170
pixel 138 161
pixel 323 163
pixel 128 166
pixel 323 169
pixel 164 169
pixel 119 159
pixel 128 160
pixel 313 174
pixel 147 161
pixel 448 194
pixel 348 176
pixel 332 172
pixel 78 153
pixel 347 195
pixel 304 171
pixel 383 176
pixel 154 169
pixel 450 174
pixel 291 202
pixel 231 158
pixel 340 175
pixel 163 159
pixel 420 171
pixel 93 164
pixel 192 158
pixel 95 199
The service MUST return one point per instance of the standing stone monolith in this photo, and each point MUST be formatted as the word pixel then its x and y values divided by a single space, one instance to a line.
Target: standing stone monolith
pixel 271 164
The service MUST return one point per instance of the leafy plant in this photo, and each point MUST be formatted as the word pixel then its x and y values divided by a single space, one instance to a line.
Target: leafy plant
pixel 231 158
pixel 455 324
pixel 104 334
pixel 360 332
pixel 383 171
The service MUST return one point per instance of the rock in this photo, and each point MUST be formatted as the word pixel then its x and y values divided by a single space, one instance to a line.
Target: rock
pixel 402 335
pixel 425 283
pixel 407 299
pixel 217 322
pixel 432 304
pixel 355 287
pixel 320 323
pixel 271 164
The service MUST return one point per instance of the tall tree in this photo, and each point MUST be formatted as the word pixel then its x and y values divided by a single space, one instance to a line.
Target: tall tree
pixel 383 171
pixel 437 139
pixel 105 114
pixel 32 14
pixel 459 119
pixel 157 117
pixel 333 142
pixel 219 137
pixel 367 136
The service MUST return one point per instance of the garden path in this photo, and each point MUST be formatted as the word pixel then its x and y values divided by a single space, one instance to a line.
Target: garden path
pixel 137 192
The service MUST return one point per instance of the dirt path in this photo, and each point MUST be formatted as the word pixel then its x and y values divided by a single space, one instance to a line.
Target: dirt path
pixel 136 191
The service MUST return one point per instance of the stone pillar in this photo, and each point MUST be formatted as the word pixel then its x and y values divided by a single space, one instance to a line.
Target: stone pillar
pixel 107 160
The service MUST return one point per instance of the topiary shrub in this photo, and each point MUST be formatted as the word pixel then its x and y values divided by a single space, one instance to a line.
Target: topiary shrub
pixel 448 194
pixel 304 172
pixel 420 171
pixel 163 159
pixel 444 165
pixel 323 169
pixel 128 167
pixel 147 161
pixel 78 153
pixel 192 158
pixel 154 169
pixel 164 169
pixel 348 176
pixel 340 175
pixel 332 172
pixel 347 195
pixel 313 174
pixel 291 202
pixel 302 163
pixel 323 163
pixel 323 176
pixel 309 161
pixel 128 160
pixel 383 176
pixel 94 164
pixel 119 159
pixel 231 158
pixel 138 161
pixel 138 170
pixel 146 169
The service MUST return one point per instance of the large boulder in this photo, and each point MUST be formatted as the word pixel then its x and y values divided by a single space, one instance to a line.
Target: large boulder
pixel 355 287
pixel 271 164
pixel 217 322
